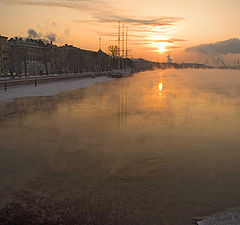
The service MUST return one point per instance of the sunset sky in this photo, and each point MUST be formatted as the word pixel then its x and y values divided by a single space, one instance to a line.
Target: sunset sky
pixel 155 26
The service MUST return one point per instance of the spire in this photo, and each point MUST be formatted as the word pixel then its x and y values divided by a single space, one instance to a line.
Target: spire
pixel 100 44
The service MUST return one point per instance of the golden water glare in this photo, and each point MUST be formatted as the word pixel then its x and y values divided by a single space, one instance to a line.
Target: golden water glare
pixel 160 87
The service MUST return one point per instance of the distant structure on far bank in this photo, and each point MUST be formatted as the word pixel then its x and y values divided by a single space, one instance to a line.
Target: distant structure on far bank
pixel 169 59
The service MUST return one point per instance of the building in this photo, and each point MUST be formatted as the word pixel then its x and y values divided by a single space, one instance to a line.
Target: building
pixel 4 50
pixel 32 57
pixel 140 64
pixel 27 56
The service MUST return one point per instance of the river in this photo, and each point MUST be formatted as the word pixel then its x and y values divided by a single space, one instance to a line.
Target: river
pixel 160 147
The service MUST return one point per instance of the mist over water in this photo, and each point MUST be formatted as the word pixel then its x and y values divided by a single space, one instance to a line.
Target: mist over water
pixel 161 147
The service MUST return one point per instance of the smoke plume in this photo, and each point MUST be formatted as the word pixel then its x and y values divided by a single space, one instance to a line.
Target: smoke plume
pixel 33 34
pixel 51 37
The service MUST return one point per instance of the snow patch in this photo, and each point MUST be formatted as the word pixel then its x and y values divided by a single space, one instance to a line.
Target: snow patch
pixel 229 217
pixel 48 89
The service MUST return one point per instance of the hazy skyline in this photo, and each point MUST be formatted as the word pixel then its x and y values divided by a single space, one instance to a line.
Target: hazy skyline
pixel 155 27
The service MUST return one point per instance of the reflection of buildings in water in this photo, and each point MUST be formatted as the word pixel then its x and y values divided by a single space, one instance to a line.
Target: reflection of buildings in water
pixel 155 98
pixel 22 107
pixel 122 106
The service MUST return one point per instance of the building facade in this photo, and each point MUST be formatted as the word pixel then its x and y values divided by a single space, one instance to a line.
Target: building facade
pixel 27 57
pixel 33 57
pixel 4 59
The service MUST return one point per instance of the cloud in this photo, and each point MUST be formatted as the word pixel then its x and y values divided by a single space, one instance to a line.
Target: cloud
pixel 87 5
pixel 66 32
pixel 230 46
pixel 104 14
pixel 33 34
pixel 149 41
pixel 98 11
pixel 51 37
pixel 161 21
pixel 171 40
pixel 53 3
pixel 107 17
pixel 140 30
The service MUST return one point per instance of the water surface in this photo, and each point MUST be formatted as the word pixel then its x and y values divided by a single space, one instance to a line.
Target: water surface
pixel 161 147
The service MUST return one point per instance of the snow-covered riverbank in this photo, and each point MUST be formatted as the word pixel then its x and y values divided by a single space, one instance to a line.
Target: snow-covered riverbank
pixel 48 89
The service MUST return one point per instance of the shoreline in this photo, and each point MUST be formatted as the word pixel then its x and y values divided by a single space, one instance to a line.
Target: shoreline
pixel 38 79
pixel 11 89
pixel 49 88
pixel 35 80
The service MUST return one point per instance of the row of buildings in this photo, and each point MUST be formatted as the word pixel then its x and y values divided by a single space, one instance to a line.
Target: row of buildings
pixel 4 57
pixel 32 57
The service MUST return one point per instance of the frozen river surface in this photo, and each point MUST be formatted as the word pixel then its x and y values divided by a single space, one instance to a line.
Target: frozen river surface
pixel 159 148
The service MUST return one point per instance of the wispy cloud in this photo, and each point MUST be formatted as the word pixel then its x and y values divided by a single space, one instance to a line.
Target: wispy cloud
pixel 171 40
pixel 230 46
pixel 106 14
pixel 146 32
pixel 69 4
pixel 161 21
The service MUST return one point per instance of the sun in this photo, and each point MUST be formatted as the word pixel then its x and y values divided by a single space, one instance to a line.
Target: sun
pixel 161 47
pixel 160 43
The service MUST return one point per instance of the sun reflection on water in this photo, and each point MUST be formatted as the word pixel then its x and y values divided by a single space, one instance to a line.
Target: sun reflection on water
pixel 160 87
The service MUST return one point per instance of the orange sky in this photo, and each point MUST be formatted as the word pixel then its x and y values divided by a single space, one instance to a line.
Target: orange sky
pixel 155 26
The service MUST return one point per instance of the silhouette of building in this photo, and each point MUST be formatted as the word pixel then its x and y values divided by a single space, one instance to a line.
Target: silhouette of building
pixel 32 57
pixel 140 64
pixel 27 56
pixel 169 59
pixel 4 59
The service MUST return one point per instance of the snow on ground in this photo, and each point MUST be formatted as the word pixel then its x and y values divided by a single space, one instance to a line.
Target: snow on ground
pixel 9 77
pixel 47 89
pixel 229 217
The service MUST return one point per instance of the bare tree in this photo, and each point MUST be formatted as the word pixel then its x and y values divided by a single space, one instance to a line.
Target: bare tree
pixel 113 51
pixel 45 55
